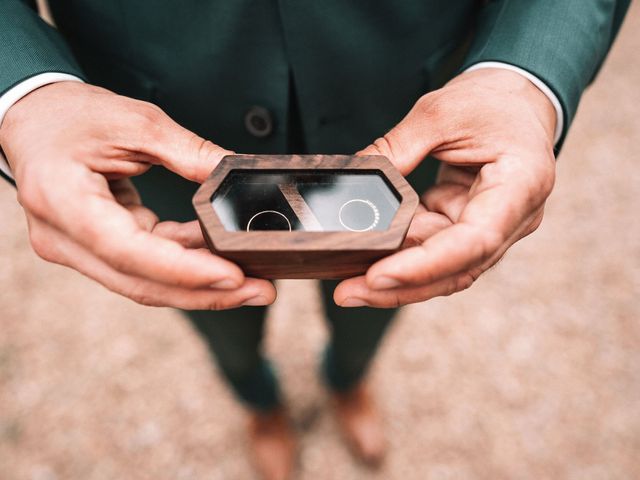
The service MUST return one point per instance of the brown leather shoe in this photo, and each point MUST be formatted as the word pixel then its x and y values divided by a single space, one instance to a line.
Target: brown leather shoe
pixel 273 444
pixel 361 424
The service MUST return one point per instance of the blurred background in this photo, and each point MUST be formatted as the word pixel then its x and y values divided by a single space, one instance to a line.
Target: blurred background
pixel 533 373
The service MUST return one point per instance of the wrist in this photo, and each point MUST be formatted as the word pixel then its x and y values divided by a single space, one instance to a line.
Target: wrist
pixel 45 103
pixel 30 84
pixel 520 89
pixel 26 104
pixel 19 123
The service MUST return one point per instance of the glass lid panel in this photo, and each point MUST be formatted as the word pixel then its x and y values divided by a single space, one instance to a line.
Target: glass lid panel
pixel 305 200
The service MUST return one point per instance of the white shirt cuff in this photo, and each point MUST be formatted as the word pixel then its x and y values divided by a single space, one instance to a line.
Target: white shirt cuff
pixel 538 83
pixel 11 96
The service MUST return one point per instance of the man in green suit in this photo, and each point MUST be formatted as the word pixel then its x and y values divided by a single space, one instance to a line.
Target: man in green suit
pixel 490 88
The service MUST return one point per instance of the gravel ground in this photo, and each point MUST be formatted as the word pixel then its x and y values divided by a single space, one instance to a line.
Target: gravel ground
pixel 533 373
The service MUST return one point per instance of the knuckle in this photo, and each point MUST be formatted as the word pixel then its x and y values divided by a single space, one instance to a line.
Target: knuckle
pixel 430 104
pixel 114 258
pixel 487 241
pixel 148 116
pixel 535 223
pixel 547 183
pixel 206 148
pixel 540 188
pixel 216 303
pixel 541 179
pixel 491 241
pixel 396 301
pixel 424 102
pixel 91 234
pixel 142 296
pixel 149 111
pixel 458 284
pixel 112 253
pixel 464 281
pixel 30 193
pixel 383 145
pixel 205 152
pixel 143 300
pixel 41 244
pixel 145 218
pixel 391 146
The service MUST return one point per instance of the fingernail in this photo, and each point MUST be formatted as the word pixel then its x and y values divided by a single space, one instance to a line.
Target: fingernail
pixel 257 301
pixel 384 283
pixel 354 302
pixel 226 284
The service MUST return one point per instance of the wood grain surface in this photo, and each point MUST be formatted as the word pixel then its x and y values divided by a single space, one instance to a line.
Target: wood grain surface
pixel 304 254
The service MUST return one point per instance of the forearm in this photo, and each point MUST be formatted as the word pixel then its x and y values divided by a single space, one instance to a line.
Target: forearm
pixel 561 43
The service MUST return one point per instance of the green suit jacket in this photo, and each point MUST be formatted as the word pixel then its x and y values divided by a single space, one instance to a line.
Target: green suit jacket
pixel 357 66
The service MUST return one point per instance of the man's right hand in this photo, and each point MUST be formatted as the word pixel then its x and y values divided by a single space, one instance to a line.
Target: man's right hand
pixel 72 147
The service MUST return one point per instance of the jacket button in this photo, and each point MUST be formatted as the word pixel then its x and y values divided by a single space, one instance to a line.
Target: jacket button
pixel 258 122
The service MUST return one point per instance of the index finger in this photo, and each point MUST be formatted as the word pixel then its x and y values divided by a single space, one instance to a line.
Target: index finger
pixel 111 232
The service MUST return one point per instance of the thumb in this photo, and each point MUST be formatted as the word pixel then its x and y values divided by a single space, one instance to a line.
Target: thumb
pixel 408 143
pixel 185 153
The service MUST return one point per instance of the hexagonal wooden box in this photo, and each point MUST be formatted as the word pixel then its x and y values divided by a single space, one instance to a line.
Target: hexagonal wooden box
pixel 304 216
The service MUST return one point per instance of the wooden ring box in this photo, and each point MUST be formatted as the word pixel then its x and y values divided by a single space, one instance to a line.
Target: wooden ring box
pixel 304 216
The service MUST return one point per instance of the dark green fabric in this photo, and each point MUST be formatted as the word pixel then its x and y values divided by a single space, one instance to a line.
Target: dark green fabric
pixel 562 42
pixel 358 65
pixel 28 46
pixel 235 339
pixel 355 336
